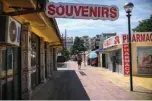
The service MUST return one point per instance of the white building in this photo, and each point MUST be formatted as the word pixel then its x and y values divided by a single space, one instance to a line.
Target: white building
pixel 105 36
pixel 87 41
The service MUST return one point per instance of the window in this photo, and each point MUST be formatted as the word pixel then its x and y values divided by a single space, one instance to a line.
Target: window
pixel 10 56
pixel 33 59
pixel 10 61
pixel 3 60
pixel 118 57
pixel 33 52
pixel 7 61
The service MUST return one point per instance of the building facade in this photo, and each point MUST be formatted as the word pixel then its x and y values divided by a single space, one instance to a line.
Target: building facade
pixel 28 51
pixel 87 41
pixel 116 50
pixel 105 36
pixel 93 42
pixel 97 41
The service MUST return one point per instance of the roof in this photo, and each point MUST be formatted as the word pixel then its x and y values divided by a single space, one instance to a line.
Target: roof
pixel 40 24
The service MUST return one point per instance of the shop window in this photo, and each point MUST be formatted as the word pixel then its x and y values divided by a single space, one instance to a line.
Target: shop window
pixel 16 60
pixel 33 59
pixel 118 57
pixel 3 60
pixel 10 61
pixel 7 62
pixel 11 83
pixel 33 52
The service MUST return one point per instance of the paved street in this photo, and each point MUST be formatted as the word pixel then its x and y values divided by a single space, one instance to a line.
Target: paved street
pixel 90 83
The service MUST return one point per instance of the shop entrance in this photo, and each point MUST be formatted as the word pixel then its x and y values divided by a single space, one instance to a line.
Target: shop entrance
pixel 54 60
pixel 10 74
pixel 114 63
pixel 104 60
pixel 46 75
pixel 35 60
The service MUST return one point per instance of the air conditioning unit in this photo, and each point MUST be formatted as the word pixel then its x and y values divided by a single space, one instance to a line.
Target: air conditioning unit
pixel 10 31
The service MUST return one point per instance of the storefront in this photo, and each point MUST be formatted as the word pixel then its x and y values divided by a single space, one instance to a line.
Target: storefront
pixel 117 50
pixel 10 73
pixel 27 57
pixel 35 60
pixel 10 56
pixel 93 58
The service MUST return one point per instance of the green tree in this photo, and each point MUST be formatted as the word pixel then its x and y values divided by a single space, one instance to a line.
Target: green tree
pixel 65 53
pixel 78 46
pixel 144 25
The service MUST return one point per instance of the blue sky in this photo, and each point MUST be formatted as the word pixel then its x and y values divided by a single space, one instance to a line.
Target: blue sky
pixel 79 27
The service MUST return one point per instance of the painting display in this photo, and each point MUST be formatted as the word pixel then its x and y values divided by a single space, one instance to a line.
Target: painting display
pixel 144 60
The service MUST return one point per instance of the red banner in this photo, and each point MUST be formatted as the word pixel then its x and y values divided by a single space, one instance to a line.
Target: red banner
pixel 126 58
pixel 112 41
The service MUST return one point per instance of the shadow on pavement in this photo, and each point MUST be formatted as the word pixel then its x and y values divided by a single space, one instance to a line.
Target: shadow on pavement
pixel 68 87
pixel 61 65
pixel 82 73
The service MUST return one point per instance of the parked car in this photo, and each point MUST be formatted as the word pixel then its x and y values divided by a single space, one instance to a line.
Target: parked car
pixel 61 59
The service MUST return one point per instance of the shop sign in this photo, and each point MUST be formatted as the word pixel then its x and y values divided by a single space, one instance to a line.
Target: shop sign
pixel 112 41
pixel 126 58
pixel 81 11
pixel 139 37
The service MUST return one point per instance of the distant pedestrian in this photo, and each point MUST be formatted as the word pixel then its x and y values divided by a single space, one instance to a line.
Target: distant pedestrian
pixel 79 61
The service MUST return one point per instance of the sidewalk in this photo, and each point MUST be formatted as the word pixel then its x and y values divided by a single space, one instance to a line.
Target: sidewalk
pixel 141 83
pixel 101 84
pixel 64 86
pixel 90 83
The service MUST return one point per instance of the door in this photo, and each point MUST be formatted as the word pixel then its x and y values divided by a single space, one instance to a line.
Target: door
pixel 114 63
pixel 106 61
pixel 103 60
pixel 54 60
pixel 45 60
pixel 118 61
pixel 10 74
pixel 35 60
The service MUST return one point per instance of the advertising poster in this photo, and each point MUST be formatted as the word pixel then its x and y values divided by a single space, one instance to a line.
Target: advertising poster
pixel 144 60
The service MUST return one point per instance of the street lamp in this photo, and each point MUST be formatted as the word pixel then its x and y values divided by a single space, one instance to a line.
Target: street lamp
pixel 128 8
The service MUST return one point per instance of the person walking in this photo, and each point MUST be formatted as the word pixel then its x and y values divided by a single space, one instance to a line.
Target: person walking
pixel 79 61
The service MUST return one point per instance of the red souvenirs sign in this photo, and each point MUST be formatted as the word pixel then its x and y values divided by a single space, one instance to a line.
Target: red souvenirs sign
pixel 81 11
pixel 126 58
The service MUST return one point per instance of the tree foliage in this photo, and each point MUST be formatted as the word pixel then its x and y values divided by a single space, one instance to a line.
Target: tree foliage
pixel 144 25
pixel 65 53
pixel 78 46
